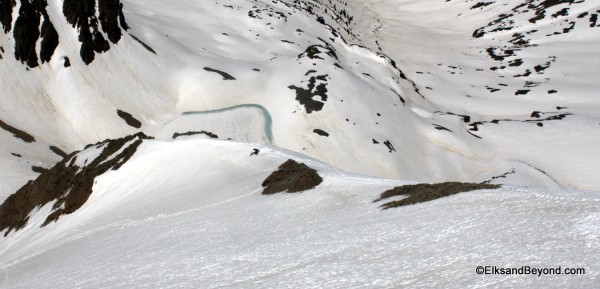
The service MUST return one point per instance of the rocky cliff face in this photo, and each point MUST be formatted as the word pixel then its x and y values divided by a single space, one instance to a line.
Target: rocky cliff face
pixel 95 20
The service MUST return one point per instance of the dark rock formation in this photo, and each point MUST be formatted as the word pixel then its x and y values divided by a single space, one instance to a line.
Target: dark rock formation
pixel 389 145
pixel 110 12
pixel 427 192
pixel 143 43
pixel 79 13
pixel 17 132
pixel 27 33
pixel 129 119
pixel 49 40
pixel 316 51
pixel 481 5
pixel 39 170
pixel 207 133
pixel 321 132
pixel 66 184
pixel 225 75
pixel 291 177
pixel 59 152
pixel 6 7
pixel 307 96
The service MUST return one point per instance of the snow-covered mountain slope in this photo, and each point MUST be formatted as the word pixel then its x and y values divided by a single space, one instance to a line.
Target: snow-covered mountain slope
pixel 135 137
pixel 522 72
pixel 427 112
pixel 161 220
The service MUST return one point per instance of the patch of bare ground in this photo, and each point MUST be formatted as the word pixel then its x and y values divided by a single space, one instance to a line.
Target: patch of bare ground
pixel 66 184
pixel 291 177
pixel 420 193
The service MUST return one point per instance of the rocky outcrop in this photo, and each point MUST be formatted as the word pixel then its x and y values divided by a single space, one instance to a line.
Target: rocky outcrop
pixel 17 132
pixel 291 177
pixel 6 8
pixel 207 133
pixel 67 184
pixel 49 40
pixel 129 119
pixel 27 33
pixel 82 15
pixel 420 193
pixel 93 19
pixel 112 19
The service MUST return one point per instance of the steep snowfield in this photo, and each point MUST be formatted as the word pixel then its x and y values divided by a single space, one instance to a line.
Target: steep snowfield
pixel 172 217
pixel 372 94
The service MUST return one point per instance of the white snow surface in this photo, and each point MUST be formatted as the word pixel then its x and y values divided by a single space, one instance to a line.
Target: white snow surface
pixel 172 218
pixel 188 213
